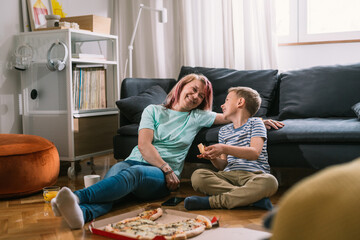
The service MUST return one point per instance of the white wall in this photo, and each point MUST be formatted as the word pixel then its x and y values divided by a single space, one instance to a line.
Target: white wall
pixel 304 56
pixel 85 7
pixel 10 25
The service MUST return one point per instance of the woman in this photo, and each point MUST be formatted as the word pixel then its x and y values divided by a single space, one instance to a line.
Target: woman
pixel 153 168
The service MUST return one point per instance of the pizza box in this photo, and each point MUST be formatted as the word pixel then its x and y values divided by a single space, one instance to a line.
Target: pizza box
pixel 169 215
pixel 233 233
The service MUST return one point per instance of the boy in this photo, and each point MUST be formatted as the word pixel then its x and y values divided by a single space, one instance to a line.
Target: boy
pixel 244 175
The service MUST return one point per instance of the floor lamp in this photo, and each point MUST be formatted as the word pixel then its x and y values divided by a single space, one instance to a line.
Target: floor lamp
pixel 162 18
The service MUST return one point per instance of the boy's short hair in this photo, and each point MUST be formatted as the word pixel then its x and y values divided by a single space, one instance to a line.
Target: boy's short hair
pixel 251 96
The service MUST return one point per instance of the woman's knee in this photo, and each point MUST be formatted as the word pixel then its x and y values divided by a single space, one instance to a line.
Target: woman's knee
pixel 137 172
pixel 115 169
pixel 151 183
pixel 144 175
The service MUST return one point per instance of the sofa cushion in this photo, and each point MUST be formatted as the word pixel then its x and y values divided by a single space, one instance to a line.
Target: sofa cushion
pixel 134 86
pixel 129 130
pixel 356 109
pixel 328 91
pixel 317 130
pixel 263 81
pixel 132 107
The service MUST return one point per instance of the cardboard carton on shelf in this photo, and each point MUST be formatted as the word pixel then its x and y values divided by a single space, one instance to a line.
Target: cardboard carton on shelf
pixel 92 23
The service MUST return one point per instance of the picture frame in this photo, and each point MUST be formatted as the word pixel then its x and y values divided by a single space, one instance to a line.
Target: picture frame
pixel 37 10
pixel 25 16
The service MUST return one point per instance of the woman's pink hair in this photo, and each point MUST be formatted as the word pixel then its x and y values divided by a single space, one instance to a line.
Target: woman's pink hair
pixel 174 95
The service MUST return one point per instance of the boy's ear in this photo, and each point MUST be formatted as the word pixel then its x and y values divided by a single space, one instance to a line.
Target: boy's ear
pixel 241 102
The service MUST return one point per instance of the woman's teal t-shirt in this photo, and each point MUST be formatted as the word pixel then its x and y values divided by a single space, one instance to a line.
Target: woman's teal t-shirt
pixel 173 132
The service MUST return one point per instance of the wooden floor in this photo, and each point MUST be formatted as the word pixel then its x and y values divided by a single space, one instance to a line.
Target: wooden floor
pixel 31 218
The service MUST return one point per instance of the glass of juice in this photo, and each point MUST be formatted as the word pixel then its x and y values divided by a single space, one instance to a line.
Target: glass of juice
pixel 50 192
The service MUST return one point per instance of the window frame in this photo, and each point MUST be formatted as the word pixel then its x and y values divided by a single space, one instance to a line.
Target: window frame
pixel 298 29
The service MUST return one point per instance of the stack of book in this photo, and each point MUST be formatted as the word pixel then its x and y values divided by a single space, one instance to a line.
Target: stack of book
pixel 89 88
pixel 89 56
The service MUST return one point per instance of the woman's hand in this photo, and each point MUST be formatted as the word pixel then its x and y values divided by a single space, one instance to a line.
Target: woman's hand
pixel 172 181
pixel 269 123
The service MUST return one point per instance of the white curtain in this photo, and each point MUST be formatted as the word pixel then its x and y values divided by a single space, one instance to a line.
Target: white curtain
pixel 238 34
pixel 155 48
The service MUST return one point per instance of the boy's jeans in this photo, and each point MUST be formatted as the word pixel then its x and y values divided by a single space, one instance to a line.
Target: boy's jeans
pixel 141 179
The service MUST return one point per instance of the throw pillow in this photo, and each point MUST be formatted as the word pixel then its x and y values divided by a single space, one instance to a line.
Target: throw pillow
pixel 356 109
pixel 263 81
pixel 326 91
pixel 132 107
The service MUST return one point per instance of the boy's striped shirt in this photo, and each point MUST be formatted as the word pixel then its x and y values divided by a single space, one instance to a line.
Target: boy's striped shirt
pixel 241 136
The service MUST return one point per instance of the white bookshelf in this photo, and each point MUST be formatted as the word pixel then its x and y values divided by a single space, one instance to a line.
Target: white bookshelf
pixel 77 134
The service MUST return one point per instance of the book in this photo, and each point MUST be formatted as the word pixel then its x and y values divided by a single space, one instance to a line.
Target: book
pixel 88 56
pixel 89 88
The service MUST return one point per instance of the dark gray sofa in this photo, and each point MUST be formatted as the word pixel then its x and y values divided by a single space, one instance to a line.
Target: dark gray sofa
pixel 321 128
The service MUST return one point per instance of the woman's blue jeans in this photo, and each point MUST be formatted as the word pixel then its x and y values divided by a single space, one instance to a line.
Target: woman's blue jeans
pixel 141 179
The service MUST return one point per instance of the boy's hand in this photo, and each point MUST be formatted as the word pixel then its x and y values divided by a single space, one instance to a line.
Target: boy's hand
pixel 202 152
pixel 214 151
pixel 204 156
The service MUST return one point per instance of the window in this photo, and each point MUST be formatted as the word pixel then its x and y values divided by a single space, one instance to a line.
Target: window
pixel 286 21
pixel 300 21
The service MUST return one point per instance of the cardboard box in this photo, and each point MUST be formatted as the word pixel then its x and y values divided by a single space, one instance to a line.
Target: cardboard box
pixel 169 215
pixel 91 22
pixel 233 233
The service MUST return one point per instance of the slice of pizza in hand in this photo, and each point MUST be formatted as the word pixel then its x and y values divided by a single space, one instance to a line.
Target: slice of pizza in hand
pixel 201 148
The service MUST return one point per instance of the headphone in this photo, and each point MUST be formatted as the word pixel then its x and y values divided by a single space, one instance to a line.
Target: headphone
pixel 57 64
pixel 23 56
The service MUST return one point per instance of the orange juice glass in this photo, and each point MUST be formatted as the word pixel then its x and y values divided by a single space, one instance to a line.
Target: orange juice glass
pixel 50 192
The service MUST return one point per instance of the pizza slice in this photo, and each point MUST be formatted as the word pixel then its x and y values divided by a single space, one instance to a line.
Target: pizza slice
pixel 152 214
pixel 191 227
pixel 205 221
pixel 169 232
pixel 201 148
pixel 135 225
pixel 137 228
